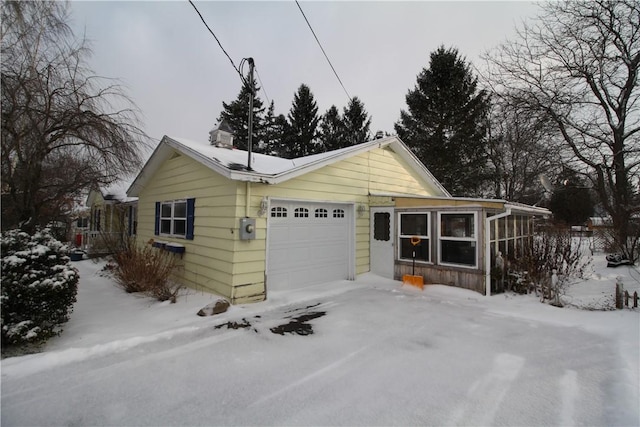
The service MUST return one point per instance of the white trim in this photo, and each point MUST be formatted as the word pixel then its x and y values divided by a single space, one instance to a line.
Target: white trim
pixel 297 167
pixel 173 218
pixel 475 239
pixel 349 210
pixel 428 235
pixel 487 248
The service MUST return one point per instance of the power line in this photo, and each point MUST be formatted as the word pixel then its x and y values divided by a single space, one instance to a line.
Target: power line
pixel 262 86
pixel 238 70
pixel 321 48
pixel 219 44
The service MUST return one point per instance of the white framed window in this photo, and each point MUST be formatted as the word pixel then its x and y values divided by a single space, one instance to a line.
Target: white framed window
pixel 173 218
pixel 338 213
pixel 458 239
pixel 412 225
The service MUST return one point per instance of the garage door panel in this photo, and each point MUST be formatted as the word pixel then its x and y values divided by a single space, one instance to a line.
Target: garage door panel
pixel 304 251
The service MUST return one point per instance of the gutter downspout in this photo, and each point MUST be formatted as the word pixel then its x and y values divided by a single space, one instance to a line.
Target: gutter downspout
pixel 248 201
pixel 487 249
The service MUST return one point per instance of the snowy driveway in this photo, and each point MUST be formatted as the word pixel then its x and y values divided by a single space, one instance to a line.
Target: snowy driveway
pixel 378 354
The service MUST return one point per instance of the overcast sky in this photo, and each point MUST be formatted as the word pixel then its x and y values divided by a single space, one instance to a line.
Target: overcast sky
pixel 178 76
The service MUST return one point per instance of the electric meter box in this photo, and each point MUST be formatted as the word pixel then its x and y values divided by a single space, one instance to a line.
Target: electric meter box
pixel 247 228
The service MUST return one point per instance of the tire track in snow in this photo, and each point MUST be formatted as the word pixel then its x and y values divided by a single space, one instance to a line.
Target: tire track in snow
pixel 569 392
pixel 310 377
pixel 485 396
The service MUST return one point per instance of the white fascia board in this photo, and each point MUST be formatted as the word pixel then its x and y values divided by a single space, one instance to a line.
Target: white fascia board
pixel 408 156
pixel 327 160
pixel 520 207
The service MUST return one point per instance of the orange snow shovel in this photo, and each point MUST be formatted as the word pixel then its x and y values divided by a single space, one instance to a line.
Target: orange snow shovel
pixel 412 279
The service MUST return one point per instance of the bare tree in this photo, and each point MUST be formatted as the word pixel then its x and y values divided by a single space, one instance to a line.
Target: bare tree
pixel 63 128
pixel 578 66
pixel 521 149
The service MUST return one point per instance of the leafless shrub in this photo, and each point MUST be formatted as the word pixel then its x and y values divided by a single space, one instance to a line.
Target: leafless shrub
pixel 554 250
pixel 145 269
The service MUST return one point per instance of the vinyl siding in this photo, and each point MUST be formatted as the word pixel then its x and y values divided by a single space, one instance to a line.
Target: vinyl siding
pixel 207 263
pixel 350 181
pixel 217 260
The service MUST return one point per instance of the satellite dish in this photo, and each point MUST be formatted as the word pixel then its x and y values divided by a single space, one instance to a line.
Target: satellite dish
pixel 545 182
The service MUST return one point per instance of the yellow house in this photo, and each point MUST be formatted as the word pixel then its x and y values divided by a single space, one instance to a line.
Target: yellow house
pixel 112 216
pixel 245 225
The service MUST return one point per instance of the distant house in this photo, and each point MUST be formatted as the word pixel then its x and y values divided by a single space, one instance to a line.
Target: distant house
pixel 112 216
pixel 285 224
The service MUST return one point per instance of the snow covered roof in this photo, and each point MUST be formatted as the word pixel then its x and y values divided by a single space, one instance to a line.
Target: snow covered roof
pixel 232 163
pixel 115 191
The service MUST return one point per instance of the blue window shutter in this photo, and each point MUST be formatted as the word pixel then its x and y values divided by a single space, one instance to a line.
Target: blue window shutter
pixel 130 231
pixel 191 207
pixel 157 228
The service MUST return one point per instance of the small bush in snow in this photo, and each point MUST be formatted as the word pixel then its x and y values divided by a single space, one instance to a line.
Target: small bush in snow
pixel 39 286
pixel 145 269
pixel 554 249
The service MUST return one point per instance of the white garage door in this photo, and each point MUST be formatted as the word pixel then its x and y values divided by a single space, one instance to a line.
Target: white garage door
pixel 308 243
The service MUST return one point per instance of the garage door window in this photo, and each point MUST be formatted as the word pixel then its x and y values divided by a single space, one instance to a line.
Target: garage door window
pixel 321 213
pixel 278 212
pixel 301 213
pixel 338 213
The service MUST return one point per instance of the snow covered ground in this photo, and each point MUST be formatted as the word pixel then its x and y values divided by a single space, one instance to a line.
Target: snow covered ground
pixel 369 352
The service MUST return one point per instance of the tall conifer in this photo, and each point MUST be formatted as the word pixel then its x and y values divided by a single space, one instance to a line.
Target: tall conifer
pixel 332 129
pixel 445 124
pixel 302 135
pixel 356 123
pixel 236 115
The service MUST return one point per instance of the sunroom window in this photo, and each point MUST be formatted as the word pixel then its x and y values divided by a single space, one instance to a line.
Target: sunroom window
pixel 414 225
pixel 458 239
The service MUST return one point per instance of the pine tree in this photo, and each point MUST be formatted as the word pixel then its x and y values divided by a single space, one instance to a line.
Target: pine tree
pixel 445 125
pixel 274 131
pixel 356 123
pixel 302 135
pixel 332 129
pixel 571 201
pixel 236 115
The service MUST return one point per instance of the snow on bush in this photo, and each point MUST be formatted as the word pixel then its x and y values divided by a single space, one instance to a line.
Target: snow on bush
pixel 39 286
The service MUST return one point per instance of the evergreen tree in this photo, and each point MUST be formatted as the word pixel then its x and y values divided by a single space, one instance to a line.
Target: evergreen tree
pixel 274 131
pixel 446 123
pixel 356 123
pixel 302 134
pixel 571 201
pixel 332 129
pixel 236 115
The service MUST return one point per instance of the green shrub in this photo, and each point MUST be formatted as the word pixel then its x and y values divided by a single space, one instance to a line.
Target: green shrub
pixel 39 286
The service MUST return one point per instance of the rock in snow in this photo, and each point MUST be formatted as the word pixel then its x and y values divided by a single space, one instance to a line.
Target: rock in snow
pixel 220 306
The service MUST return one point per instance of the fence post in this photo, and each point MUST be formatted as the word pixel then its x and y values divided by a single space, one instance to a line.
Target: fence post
pixel 635 299
pixel 626 298
pixel 619 290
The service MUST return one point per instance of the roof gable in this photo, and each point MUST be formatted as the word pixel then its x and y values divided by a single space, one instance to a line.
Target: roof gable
pixel 231 163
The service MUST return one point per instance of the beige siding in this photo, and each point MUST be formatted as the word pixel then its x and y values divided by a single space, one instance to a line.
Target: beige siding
pixel 217 260
pixel 209 257
pixel 349 181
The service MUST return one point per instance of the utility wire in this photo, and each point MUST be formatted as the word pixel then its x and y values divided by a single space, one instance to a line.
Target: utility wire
pixel 219 44
pixel 321 48
pixel 262 85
